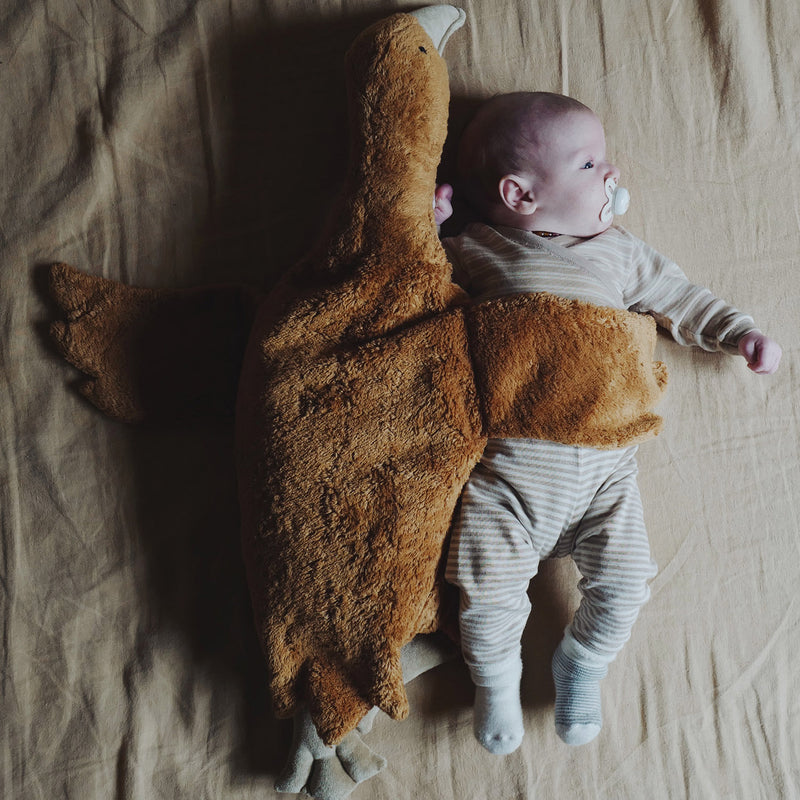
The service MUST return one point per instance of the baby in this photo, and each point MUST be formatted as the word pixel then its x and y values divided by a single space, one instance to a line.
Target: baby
pixel 534 166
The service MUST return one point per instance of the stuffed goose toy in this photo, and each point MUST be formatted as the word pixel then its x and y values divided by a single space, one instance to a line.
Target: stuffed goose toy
pixel 366 386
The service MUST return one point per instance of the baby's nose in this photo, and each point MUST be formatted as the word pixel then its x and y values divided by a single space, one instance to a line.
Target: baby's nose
pixel 612 172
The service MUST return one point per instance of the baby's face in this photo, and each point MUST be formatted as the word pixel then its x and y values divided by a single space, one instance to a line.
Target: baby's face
pixel 571 170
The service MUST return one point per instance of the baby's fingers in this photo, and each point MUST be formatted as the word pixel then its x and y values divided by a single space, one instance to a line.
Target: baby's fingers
pixel 763 355
pixel 442 203
pixel 767 358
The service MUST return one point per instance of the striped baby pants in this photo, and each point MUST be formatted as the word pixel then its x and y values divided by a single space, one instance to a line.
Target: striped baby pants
pixel 528 500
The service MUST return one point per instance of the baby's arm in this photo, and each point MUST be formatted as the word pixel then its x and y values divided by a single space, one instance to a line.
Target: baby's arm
pixel 692 314
pixel 763 355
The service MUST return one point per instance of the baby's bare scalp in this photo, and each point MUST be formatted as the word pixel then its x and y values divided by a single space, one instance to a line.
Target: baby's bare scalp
pixel 503 134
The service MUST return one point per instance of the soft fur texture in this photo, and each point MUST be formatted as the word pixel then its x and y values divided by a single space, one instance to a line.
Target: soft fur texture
pixel 531 352
pixel 152 354
pixel 368 390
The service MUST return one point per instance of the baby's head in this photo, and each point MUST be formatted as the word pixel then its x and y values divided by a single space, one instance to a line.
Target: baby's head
pixel 537 161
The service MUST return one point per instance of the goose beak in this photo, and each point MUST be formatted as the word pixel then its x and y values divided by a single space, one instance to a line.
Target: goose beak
pixel 440 22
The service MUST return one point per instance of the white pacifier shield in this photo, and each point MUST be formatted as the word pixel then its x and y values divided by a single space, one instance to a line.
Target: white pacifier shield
pixel 618 200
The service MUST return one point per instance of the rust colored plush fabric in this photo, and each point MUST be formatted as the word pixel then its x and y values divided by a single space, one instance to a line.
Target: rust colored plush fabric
pixel 368 389
pixel 359 415
pixel 152 354
pixel 551 368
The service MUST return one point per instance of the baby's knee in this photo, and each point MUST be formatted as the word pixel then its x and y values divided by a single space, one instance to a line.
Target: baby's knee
pixel 624 590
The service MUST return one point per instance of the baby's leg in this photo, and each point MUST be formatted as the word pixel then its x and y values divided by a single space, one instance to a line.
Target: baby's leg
pixel 492 562
pixel 613 555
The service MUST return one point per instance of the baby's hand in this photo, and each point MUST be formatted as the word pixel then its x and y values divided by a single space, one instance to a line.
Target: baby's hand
pixel 442 205
pixel 761 353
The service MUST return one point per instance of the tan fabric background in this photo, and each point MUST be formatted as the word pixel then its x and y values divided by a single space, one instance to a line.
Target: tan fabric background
pixel 186 141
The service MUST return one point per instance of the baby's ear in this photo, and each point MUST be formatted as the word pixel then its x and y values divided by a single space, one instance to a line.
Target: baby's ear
pixel 517 194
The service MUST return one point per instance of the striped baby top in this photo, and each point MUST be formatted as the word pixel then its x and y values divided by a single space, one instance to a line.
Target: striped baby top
pixel 612 269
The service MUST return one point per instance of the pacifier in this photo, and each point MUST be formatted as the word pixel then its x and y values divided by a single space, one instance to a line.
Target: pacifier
pixel 618 200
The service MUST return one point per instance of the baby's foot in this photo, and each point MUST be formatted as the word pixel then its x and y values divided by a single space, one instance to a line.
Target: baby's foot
pixel 578 714
pixel 497 721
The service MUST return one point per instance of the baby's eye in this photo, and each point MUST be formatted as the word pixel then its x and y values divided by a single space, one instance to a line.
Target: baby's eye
pixel 588 165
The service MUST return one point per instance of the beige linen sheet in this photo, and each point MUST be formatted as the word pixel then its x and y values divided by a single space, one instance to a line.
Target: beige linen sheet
pixel 193 141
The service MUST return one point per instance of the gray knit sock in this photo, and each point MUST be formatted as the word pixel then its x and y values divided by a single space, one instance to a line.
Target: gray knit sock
pixel 577 673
